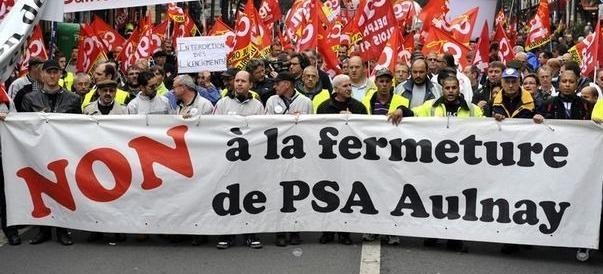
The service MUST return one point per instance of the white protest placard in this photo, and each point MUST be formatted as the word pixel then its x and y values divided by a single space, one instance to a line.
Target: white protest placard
pixel 201 53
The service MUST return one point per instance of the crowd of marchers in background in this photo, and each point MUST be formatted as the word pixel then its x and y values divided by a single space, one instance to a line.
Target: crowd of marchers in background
pixel 294 83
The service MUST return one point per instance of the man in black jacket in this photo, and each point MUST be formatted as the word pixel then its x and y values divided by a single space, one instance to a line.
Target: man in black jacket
pixel 341 100
pixel 53 99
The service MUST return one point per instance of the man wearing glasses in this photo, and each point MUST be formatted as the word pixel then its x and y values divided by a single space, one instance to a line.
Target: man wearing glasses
pixel 147 101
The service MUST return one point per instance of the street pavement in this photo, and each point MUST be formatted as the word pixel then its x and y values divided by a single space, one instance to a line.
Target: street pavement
pixel 158 255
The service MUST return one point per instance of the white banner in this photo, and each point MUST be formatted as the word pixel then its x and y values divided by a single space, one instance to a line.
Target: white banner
pixel 201 53
pixel 513 182
pixel 80 5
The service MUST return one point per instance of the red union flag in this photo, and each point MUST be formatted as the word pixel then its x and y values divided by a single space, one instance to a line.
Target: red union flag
pixel 585 52
pixel 482 48
pixel 376 22
pixel 295 18
pixel 126 56
pixel 151 41
pixel 269 12
pixel 35 48
pixel 408 46
pixel 500 20
pixel 311 27
pixel 540 27
pixel 110 38
pixel 433 9
pixel 90 49
pixel 461 27
pixel 243 47
pixel 405 11
pixel 389 55
pixel 439 41
pixel 220 28
pixel 505 47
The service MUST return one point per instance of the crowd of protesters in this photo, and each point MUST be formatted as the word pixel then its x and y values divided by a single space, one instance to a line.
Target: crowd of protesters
pixel 548 86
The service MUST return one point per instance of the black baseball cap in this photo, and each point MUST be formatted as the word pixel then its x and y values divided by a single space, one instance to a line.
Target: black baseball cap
pixel 284 76
pixel 51 64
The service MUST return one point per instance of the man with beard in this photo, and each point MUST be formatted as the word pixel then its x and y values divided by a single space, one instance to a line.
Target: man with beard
pixel 261 83
pixel 419 88
pixel 105 104
pixel 147 101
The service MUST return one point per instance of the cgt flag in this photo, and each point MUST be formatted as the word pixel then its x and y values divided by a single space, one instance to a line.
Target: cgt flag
pixel 482 48
pixel 90 49
pixel 35 48
pixel 585 52
pixel 505 46
pixel 441 42
pixel 376 22
pixel 540 27
pixel 109 36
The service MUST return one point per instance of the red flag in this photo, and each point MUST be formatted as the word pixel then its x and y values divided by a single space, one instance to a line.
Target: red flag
pixel 311 26
pixel 405 11
pixel 126 56
pixel 331 10
pixel 599 56
pixel 433 9
pixel 482 49
pixel 377 22
pixel 505 47
pixel 461 27
pixel 4 99
pixel 35 48
pixel 185 28
pixel 540 27
pixel 295 18
pixel 408 46
pixel 220 28
pixel 585 52
pixel 90 49
pixel 441 42
pixel 243 47
pixel 389 55
pixel 501 19
pixel 5 6
pixel 151 40
pixel 110 38
pixel 327 47
pixel 269 12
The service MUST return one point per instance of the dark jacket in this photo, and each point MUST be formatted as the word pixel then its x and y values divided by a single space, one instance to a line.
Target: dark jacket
pixel 264 88
pixel 484 93
pixel 66 102
pixel 524 106
pixel 409 84
pixel 554 108
pixel 325 80
pixel 18 100
pixel 333 106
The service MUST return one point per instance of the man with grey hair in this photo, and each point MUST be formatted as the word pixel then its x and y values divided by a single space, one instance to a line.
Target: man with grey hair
pixel 190 103
pixel 341 100
pixel 82 84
